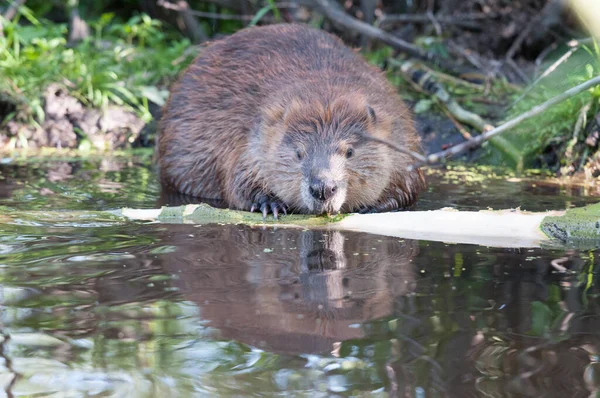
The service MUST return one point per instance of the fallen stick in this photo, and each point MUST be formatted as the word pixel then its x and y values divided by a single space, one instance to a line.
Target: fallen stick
pixel 501 228
pixel 435 158
pixel 337 15
pixel 469 23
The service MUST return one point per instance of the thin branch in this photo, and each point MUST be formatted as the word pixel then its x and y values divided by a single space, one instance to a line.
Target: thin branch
pixel 463 131
pixel 542 56
pixel 465 20
pixel 336 14
pixel 541 22
pixel 471 56
pixel 189 25
pixel 392 145
pixel 424 18
pixel 432 18
pixel 437 157
pixel 516 45
pixel 518 71
pixel 213 15
pixel 574 44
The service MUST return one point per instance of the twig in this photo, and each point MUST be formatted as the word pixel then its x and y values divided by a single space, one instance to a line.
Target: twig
pixel 392 145
pixel 424 18
pixel 11 11
pixel 464 20
pixel 459 81
pixel 574 44
pixel 432 18
pixel 202 14
pixel 455 150
pixel 336 14
pixel 463 131
pixel 542 56
pixel 522 75
pixel 194 29
pixel 469 55
pixel 213 15
pixel 519 40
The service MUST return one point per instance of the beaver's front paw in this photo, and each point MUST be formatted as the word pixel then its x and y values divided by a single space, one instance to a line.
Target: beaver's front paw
pixel 389 204
pixel 268 204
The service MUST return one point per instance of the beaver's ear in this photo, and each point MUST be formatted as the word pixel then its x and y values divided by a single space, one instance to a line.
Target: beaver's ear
pixel 274 113
pixel 283 112
pixel 292 110
pixel 372 116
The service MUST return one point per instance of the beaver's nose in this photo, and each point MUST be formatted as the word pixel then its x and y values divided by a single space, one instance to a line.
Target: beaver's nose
pixel 321 190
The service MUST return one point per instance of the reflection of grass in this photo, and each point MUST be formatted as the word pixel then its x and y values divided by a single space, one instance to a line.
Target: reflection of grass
pixel 121 63
pixel 87 185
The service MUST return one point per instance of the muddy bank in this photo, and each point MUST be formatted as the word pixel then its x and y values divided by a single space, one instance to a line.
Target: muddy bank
pixel 68 124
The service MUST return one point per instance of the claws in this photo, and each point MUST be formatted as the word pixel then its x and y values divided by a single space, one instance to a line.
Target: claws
pixel 266 204
pixel 263 209
pixel 365 210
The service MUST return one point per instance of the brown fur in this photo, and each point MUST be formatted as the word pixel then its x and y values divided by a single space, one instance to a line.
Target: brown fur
pixel 251 102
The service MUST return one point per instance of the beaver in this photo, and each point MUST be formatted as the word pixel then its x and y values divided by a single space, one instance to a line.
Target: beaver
pixel 278 118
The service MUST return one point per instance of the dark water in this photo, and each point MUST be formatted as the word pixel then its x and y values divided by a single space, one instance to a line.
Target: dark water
pixel 142 309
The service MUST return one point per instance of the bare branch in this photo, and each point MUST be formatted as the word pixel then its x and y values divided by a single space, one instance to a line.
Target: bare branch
pixel 424 18
pixel 469 21
pixel 415 155
pixel 213 15
pixel 455 150
pixel 336 14
pixel 192 27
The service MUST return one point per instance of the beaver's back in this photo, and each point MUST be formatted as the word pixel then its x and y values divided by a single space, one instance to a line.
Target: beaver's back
pixel 243 68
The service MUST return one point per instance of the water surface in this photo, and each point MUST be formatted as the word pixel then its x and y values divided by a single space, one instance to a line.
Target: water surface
pixel 140 309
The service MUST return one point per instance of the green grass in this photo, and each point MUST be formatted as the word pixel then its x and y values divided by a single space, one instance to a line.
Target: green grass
pixel 122 62
pixel 555 127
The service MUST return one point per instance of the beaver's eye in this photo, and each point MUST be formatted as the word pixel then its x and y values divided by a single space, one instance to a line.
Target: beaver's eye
pixel 349 153
pixel 299 154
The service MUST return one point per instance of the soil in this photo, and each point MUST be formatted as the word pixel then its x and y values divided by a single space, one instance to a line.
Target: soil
pixel 67 122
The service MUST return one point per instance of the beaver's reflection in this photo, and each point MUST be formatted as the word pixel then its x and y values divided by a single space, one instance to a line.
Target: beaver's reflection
pixel 290 290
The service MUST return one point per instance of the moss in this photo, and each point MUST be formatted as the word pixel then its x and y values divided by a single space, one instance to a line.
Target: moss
pixel 576 226
pixel 203 214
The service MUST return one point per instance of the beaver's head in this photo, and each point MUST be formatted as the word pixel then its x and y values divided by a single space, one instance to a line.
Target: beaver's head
pixel 314 154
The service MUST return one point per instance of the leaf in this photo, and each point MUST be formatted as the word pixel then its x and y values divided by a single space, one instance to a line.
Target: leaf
pixel 590 70
pixel 261 13
pixel 155 95
pixel 106 18
pixel 423 106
